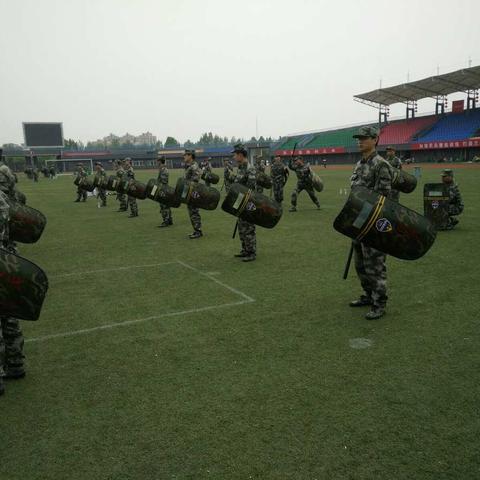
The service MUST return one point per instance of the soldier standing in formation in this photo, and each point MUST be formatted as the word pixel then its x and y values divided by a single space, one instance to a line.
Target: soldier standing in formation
pixel 121 197
pixel 372 172
pixel 228 174
pixel 192 174
pixel 101 176
pixel 455 204
pixel 259 168
pixel 11 337
pixel 279 173
pixel 246 175
pixel 304 182
pixel 162 179
pixel 81 193
pixel 395 162
pixel 206 168
pixel 132 201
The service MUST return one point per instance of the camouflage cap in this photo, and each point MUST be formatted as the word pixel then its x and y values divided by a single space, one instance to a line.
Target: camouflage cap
pixel 447 172
pixel 389 147
pixel 98 164
pixel 189 152
pixel 367 131
pixel 239 148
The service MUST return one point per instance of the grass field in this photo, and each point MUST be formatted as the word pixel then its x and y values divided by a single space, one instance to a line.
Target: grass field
pixel 159 357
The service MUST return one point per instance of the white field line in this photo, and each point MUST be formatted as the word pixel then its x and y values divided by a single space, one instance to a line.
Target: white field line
pixel 245 299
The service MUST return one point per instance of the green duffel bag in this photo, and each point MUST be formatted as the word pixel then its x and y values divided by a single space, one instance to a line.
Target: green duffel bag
pixel 252 206
pixel 263 180
pixel 374 220
pixel 164 194
pixel 403 181
pixel 197 195
pixel 210 177
pixel 26 224
pixel 84 183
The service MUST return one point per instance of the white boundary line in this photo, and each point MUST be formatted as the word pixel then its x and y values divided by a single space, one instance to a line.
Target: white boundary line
pixel 245 297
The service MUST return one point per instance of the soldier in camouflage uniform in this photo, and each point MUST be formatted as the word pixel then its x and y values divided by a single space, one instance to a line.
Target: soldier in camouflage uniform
pixel 11 337
pixel 163 180
pixel 395 162
pixel 81 193
pixel 102 193
pixel 304 182
pixel 132 201
pixel 279 173
pixel 206 168
pixel 228 174
pixel 373 172
pixel 455 205
pixel 193 174
pixel 121 197
pixel 246 175
pixel 259 168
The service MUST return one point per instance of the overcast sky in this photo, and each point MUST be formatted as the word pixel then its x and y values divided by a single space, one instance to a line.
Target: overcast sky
pixel 184 67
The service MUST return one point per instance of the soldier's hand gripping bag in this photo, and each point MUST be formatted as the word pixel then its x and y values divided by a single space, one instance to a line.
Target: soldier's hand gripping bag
pixel 26 224
pixel 264 180
pixel 164 194
pixel 403 181
pixel 377 222
pixel 84 183
pixel 23 286
pixel 435 204
pixel 317 182
pixel 210 177
pixel 252 206
pixel 197 195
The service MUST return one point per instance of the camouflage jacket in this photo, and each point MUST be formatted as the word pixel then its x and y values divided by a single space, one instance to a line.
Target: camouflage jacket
pixel 81 173
pixel 455 206
pixel 206 166
pixel 374 173
pixel 193 172
pixel 228 173
pixel 101 173
pixel 394 162
pixel 4 217
pixel 246 175
pixel 278 172
pixel 304 174
pixel 120 172
pixel 130 173
pixel 163 175
pixel 7 181
pixel 260 165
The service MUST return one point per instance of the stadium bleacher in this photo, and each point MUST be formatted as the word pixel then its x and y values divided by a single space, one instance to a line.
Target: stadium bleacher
pixel 335 138
pixel 398 133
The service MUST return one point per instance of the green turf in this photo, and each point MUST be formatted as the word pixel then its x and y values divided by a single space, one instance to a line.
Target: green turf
pixel 269 389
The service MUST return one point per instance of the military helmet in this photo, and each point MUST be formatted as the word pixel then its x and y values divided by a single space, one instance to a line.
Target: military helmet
pixel 367 131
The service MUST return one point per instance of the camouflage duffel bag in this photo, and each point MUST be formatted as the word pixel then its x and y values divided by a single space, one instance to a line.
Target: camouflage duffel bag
pixel 252 206
pixel 317 182
pixel 377 222
pixel 403 181
pixel 197 195
pixel 100 182
pixel 23 286
pixel 263 180
pixel 132 188
pixel 84 183
pixel 164 194
pixel 210 177
pixel 26 224
pixel 112 182
pixel 435 204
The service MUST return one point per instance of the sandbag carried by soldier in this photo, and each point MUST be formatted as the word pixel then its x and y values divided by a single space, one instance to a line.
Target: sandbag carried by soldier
pixel 305 181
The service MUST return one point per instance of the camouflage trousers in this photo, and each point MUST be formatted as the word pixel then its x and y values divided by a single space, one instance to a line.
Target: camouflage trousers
pixel 195 219
pixel 394 195
pixel 248 237
pixel 11 347
pixel 166 213
pixel 309 189
pixel 102 196
pixel 81 195
pixel 278 190
pixel 371 268
pixel 132 201
pixel 122 198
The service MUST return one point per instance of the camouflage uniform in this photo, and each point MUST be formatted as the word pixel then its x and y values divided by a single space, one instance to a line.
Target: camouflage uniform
pixel 11 337
pixel 81 193
pixel 246 175
pixel 376 174
pixel 162 179
pixel 304 182
pixel 455 206
pixel 121 197
pixel 394 162
pixel 279 174
pixel 193 174
pixel 132 201
pixel 259 168
pixel 206 168
pixel 228 175
pixel 102 193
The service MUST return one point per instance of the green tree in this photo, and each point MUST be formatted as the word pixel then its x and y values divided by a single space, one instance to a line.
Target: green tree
pixel 171 142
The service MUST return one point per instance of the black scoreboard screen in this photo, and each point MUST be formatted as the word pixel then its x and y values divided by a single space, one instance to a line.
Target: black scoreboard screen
pixel 43 134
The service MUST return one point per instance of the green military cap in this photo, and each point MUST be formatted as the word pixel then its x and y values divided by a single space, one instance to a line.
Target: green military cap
pixel 239 148
pixel 447 172
pixel 390 148
pixel 367 131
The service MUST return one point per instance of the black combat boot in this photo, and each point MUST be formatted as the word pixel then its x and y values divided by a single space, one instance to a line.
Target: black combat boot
pixel 292 209
pixel 249 257
pixel 242 254
pixel 2 386
pixel 363 301
pixel 15 373
pixel 195 234
pixel 133 215
pixel 164 224
pixel 375 313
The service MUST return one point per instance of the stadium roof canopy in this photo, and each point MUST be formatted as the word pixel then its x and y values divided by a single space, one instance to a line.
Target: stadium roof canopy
pixel 459 81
